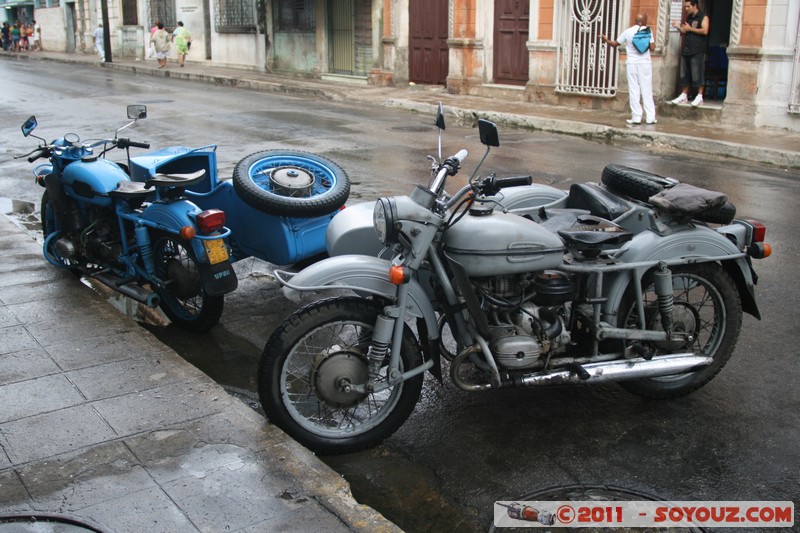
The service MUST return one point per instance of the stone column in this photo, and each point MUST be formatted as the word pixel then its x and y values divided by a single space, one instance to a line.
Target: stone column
pixel 467 67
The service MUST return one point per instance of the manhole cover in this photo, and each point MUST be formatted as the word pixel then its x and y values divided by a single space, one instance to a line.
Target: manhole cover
pixel 47 523
pixel 592 493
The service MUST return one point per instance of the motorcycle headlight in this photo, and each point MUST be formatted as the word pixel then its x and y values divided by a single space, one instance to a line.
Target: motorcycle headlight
pixel 383 220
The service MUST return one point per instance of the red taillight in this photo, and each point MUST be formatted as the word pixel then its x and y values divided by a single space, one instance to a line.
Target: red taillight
pixel 759 231
pixel 211 220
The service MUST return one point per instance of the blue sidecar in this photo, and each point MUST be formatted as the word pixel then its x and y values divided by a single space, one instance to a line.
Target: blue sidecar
pixel 278 204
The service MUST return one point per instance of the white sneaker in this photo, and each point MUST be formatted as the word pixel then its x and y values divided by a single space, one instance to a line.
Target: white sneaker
pixel 698 100
pixel 633 121
pixel 654 121
pixel 681 99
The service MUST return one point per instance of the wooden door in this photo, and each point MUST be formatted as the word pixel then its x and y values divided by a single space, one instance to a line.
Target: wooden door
pixel 428 53
pixel 510 41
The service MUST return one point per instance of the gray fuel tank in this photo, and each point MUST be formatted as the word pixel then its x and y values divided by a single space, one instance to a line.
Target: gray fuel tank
pixel 492 244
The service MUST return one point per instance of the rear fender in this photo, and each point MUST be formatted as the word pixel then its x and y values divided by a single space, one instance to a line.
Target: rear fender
pixel 218 279
pixel 699 244
pixel 362 275
pixel 171 217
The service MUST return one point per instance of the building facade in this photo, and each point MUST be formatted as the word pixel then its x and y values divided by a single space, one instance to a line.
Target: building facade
pixel 545 51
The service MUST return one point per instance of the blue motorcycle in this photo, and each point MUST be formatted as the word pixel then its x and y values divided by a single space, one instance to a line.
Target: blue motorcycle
pixel 145 239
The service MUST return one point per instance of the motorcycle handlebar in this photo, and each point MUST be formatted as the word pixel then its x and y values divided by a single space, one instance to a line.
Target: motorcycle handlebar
pixel 39 153
pixel 493 184
pixel 125 143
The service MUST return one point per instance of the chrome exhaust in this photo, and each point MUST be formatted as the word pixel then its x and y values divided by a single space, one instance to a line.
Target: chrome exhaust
pixel 607 371
pixel 128 288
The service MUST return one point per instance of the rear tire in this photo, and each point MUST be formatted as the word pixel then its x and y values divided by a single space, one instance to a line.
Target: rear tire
pixel 184 300
pixel 302 369
pixel 707 303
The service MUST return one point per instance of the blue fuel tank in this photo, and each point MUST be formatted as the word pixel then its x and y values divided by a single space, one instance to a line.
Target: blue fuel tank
pixel 91 179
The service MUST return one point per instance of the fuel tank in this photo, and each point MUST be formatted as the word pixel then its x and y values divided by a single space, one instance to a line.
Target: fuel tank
pixel 91 179
pixel 487 243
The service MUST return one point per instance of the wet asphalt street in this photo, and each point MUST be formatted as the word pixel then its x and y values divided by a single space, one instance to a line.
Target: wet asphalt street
pixel 736 439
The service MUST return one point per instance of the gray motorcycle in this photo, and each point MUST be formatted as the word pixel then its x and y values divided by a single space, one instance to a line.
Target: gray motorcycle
pixel 639 280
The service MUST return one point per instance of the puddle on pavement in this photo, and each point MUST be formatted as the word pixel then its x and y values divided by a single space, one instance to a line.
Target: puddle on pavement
pixel 22 213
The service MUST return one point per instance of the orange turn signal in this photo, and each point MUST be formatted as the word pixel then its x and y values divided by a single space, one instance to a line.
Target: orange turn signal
pixel 759 250
pixel 188 233
pixel 399 275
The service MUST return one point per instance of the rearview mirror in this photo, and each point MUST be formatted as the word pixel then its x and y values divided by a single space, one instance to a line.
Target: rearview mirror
pixel 29 125
pixel 440 117
pixel 488 133
pixel 136 112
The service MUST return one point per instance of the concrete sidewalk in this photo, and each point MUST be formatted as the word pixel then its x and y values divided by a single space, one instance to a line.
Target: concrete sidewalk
pixel 102 425
pixel 681 127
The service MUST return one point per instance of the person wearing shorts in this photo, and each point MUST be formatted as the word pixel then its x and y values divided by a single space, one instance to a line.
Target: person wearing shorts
pixel 693 53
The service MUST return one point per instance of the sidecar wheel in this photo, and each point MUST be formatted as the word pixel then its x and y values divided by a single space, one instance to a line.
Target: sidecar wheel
pixel 707 303
pixel 291 183
pixel 184 300
pixel 307 360
pixel 641 185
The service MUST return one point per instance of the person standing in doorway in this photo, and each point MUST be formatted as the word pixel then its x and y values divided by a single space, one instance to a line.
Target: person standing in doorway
pixel 639 67
pixel 693 53
pixel 160 40
pixel 99 41
pixel 37 36
pixel 183 40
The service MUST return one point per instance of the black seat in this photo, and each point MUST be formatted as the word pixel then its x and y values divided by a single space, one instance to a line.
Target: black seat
pixel 597 201
pixel 590 235
pixel 131 190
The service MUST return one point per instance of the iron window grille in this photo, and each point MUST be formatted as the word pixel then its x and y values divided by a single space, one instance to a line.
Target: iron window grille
pixel 234 16
pixel 295 15
pixel 161 11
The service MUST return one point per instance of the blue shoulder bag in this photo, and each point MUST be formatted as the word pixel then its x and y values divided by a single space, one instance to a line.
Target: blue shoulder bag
pixel 641 40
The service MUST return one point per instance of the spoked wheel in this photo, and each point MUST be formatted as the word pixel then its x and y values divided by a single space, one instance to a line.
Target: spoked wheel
pixel 308 365
pixel 183 299
pixel 291 183
pixel 707 305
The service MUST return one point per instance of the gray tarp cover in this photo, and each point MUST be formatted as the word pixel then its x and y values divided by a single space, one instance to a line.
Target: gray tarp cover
pixel 685 198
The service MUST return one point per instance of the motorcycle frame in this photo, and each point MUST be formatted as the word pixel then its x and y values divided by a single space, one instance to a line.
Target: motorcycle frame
pixel 646 251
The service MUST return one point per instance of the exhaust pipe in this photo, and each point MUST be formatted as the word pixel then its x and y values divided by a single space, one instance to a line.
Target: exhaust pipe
pixel 606 371
pixel 129 289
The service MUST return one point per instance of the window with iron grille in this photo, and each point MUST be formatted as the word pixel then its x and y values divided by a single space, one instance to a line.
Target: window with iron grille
pixel 129 15
pixel 161 11
pixel 234 16
pixel 294 15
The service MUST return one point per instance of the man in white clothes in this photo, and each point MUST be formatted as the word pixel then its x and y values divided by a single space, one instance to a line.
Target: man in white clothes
pixel 640 70
pixel 99 42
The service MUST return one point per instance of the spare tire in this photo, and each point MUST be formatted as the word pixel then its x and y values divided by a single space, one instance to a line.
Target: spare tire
pixel 634 183
pixel 291 183
pixel 641 185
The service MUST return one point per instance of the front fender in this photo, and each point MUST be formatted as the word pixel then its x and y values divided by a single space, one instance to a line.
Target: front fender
pixel 698 244
pixel 360 274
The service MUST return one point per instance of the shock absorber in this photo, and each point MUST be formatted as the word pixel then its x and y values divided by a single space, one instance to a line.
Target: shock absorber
pixel 379 349
pixel 663 287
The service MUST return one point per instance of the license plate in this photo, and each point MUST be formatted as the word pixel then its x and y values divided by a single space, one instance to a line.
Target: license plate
pixel 217 253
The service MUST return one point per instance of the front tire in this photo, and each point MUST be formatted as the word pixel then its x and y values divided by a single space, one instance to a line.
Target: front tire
pixel 707 303
pixel 305 361
pixel 183 299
